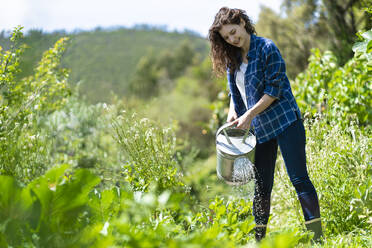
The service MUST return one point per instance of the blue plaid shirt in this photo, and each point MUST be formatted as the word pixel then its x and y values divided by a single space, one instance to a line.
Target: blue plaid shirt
pixel 265 74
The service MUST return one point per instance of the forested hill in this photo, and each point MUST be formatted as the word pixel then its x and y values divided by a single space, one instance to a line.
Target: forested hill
pixel 106 60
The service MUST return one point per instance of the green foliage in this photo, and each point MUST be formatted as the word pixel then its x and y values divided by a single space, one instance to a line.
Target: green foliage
pixel 176 62
pixel 342 172
pixel 22 103
pixel 10 59
pixel 18 206
pixel 329 89
pixel 357 238
pixel 363 49
pixel 338 161
pixel 187 106
pixel 49 212
pixel 155 73
pixel 61 209
pixel 285 239
pixel 145 80
pixel 188 102
pixel 344 20
pixel 105 60
pixel 149 153
pixel 292 35
pixel 80 135
pixel 305 24
pixel 63 200
pixel 233 218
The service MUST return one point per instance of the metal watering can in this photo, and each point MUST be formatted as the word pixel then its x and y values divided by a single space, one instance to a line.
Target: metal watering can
pixel 235 154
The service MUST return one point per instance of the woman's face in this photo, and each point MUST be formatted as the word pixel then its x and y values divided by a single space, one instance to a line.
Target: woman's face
pixel 235 34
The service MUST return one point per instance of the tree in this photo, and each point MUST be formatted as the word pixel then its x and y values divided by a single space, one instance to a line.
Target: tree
pixel 155 72
pixel 341 19
pixel 145 80
pixel 306 24
pixel 175 62
pixel 291 35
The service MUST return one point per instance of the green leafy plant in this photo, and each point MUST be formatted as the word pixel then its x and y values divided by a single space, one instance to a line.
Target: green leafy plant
pixel 329 89
pixel 149 153
pixel 338 162
pixel 48 212
pixel 23 102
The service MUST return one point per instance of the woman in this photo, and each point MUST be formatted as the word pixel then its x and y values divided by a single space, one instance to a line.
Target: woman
pixel 261 97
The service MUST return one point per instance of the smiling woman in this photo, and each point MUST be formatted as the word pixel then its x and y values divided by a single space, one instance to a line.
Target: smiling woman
pixel 232 32
pixel 261 95
pixel 234 28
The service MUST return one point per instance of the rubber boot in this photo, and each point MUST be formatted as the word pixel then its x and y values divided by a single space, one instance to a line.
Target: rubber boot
pixel 259 232
pixel 315 226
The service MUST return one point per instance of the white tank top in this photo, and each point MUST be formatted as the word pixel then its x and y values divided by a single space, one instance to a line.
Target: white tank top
pixel 240 81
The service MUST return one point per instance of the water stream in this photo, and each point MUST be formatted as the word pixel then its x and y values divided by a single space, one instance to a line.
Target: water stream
pixel 243 172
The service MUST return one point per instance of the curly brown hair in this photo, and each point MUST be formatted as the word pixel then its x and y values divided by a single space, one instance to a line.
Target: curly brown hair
pixel 223 54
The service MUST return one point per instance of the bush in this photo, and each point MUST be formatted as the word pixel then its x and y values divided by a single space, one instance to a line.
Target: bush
pixel 62 209
pixel 329 89
pixel 339 166
pixel 23 102
pixel 81 135
pixel 149 152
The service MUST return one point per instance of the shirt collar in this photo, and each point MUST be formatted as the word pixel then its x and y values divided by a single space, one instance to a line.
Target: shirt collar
pixel 252 47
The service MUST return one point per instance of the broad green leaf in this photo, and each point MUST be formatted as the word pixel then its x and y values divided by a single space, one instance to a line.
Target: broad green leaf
pixel 10 196
pixel 360 46
pixel 19 209
pixel 369 47
pixel 33 206
pixel 367 35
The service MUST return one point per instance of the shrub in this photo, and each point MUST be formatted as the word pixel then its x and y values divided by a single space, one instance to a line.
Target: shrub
pixel 326 88
pixel 149 152
pixel 23 102
pixel 339 165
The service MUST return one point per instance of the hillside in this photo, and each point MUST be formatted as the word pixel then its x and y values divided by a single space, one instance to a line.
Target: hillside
pixel 104 60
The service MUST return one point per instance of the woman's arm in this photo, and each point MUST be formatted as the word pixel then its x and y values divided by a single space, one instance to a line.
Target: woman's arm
pixel 244 121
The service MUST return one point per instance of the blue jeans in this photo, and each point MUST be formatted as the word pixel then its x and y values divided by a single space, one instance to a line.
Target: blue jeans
pixel 292 146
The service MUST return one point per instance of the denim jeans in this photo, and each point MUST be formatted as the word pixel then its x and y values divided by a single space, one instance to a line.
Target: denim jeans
pixel 292 146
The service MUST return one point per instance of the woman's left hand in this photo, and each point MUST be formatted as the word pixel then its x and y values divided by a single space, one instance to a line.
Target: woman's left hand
pixel 244 121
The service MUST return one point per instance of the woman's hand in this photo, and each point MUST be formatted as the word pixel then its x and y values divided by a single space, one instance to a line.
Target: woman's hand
pixel 231 116
pixel 244 121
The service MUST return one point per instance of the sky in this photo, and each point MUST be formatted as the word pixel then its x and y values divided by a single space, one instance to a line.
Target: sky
pixel 50 15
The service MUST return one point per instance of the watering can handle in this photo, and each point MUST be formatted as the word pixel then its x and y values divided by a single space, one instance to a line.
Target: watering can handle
pixel 222 129
pixel 228 125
